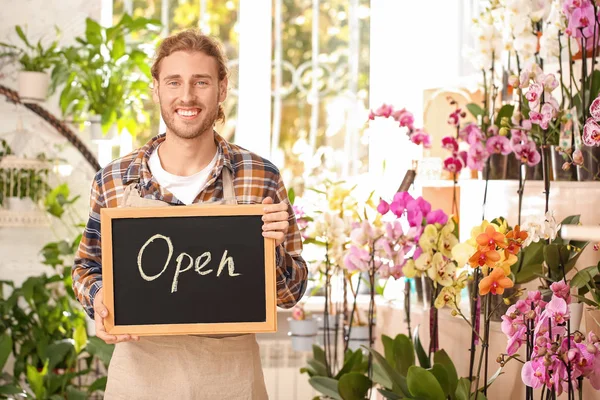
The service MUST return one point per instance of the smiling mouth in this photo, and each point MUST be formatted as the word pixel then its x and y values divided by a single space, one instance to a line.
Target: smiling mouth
pixel 187 114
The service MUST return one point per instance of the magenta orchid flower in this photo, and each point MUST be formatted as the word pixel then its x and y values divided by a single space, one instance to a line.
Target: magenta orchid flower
pixel 437 217
pixel 383 111
pixel 450 143
pixel 591 133
pixel 498 145
pixel 453 164
pixel 383 207
pixel 419 136
pixel 595 109
pixel 404 118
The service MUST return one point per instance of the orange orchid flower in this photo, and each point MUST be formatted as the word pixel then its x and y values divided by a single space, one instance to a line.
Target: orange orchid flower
pixel 483 257
pixel 490 239
pixel 515 239
pixel 495 282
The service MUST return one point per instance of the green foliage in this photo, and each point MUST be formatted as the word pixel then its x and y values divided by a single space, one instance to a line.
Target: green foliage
pixel 105 76
pixel 33 57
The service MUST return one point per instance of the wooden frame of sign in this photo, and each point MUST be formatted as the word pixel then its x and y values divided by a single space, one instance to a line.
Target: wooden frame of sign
pixel 108 215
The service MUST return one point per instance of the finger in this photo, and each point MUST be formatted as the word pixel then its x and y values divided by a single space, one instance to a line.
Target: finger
pixel 101 330
pixel 276 216
pixel 276 226
pixel 100 309
pixel 122 338
pixel 267 200
pixel 271 208
pixel 278 236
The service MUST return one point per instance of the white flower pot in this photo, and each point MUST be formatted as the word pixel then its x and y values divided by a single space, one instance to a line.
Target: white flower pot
pixel 359 336
pixel 331 328
pixel 33 86
pixel 303 333
pixel 576 311
pixel 96 134
pixel 17 204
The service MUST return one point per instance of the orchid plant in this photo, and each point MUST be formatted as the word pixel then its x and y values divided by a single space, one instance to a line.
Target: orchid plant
pixel 406 121
pixel 557 360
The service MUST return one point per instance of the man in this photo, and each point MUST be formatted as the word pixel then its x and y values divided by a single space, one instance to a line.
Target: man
pixel 188 164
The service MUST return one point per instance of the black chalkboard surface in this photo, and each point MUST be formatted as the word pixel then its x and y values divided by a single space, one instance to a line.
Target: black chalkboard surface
pixel 188 270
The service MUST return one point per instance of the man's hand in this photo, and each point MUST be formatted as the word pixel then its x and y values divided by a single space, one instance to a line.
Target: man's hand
pixel 275 220
pixel 100 312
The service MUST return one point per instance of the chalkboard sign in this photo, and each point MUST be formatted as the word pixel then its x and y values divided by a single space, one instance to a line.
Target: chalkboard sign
pixel 188 270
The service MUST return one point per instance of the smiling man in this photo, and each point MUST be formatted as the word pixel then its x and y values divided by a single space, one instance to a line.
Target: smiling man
pixel 189 163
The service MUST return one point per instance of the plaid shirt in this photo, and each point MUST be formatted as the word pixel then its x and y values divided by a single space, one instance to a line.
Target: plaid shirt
pixel 254 178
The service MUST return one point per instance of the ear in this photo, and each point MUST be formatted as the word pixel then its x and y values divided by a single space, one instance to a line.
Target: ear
pixel 223 89
pixel 155 96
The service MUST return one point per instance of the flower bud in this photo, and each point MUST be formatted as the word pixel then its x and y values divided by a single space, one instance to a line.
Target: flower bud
pixel 547 361
pixel 486 119
pixel 594 338
pixel 504 131
pixel 530 314
pixel 578 337
pixel 541 341
pixel 566 166
pixel 513 81
pixel 504 121
pixel 542 351
pixel 454 313
pixel 577 157
pixel 554 347
pixel 591 349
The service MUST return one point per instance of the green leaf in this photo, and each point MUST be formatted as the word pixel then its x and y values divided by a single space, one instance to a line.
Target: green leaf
pixel 439 371
pixel 100 349
pixel 318 367
pixel 404 354
pixel 530 261
pixel 380 376
pixel 99 384
pixel 80 338
pixel 22 36
pixel 423 357
pixel 36 380
pixel 11 389
pixel 118 49
pixel 441 357
pixel 292 195
pixel 6 344
pixel 506 111
pixel 388 349
pixel 463 389
pixel 319 354
pixel 351 361
pixel 475 109
pixel 422 383
pixel 354 386
pixel 325 385
pixel 399 385
pixel 584 276
pixel 93 32
pixel 389 395
pixel 57 351
pixel 75 394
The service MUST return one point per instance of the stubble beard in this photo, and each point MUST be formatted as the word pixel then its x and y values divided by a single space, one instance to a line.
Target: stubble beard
pixel 189 131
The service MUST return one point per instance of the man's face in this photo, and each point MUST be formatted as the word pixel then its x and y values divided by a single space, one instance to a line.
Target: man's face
pixel 189 92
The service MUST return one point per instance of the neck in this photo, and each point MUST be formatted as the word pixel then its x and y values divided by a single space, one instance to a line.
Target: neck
pixel 185 157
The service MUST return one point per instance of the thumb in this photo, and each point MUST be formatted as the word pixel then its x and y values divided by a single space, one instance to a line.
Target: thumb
pixel 267 200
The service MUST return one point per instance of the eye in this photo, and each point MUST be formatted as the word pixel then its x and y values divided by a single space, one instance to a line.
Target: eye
pixel 172 83
pixel 201 83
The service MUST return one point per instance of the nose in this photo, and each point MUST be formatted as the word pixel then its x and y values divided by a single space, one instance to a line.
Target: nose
pixel 188 94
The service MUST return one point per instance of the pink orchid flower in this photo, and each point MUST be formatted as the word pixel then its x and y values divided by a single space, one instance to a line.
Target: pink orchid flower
pixel 591 133
pixel 581 21
pixel 404 118
pixel 454 117
pixel 393 230
pixel 449 143
pixel 516 340
pixel 498 145
pixel 527 153
pixel 595 109
pixel 550 83
pixel 471 133
pixel 357 259
pixel 562 290
pixel 493 130
pixel 383 207
pixel 558 310
pixel 477 156
pixel 419 136
pixel 534 373
pixel 533 94
pixel 453 164
pixel 548 113
pixel 384 111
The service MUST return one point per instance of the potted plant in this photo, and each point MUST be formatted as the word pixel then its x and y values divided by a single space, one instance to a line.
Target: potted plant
pixel 35 61
pixel 107 79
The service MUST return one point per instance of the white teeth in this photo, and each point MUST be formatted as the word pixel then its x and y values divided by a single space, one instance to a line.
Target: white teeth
pixel 186 113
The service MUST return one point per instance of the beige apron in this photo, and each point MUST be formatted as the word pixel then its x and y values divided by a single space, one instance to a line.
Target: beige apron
pixel 186 367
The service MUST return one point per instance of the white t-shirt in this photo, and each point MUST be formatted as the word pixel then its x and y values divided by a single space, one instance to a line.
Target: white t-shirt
pixel 185 188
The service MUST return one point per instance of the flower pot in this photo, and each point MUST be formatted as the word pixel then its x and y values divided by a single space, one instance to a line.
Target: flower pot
pixel 18 204
pixel 558 160
pixel 592 321
pixel 591 162
pixel 303 333
pixel 512 167
pixel 419 290
pixel 497 167
pixel 359 336
pixel 33 86
pixel 535 173
pixel 497 304
pixel 576 311
pixel 331 328
pixel 96 134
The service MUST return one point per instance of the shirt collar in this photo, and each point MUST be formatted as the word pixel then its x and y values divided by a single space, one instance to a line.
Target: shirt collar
pixel 138 169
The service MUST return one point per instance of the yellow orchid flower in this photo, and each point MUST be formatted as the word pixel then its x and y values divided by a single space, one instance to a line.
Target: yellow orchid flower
pixel 428 239
pixel 462 252
pixel 446 297
pixel 409 269
pixel 423 263
pixel 506 263
pixel 442 270
pixel 447 240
